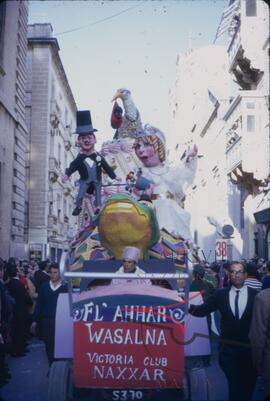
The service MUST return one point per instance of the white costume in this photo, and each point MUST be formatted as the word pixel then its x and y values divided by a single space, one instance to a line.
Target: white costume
pixel 138 271
pixel 169 186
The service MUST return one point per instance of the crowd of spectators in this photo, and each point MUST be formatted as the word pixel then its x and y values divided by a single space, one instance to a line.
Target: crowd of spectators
pixel 217 273
pixel 238 292
pixel 20 285
pixel 29 291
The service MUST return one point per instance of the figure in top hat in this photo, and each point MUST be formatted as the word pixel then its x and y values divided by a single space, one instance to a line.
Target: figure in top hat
pixel 88 163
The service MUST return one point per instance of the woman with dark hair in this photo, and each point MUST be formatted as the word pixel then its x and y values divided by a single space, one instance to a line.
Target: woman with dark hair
pixel 19 323
pixel 5 318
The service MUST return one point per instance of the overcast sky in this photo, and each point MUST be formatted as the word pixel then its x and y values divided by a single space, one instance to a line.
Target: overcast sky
pixel 106 45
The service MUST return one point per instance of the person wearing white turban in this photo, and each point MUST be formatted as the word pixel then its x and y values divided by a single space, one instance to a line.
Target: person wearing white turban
pixel 131 256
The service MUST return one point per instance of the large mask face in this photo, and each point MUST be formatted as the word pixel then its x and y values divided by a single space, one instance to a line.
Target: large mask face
pixel 87 142
pixel 147 154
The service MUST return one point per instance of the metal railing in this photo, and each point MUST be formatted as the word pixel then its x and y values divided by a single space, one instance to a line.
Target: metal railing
pixel 105 275
pixel 164 276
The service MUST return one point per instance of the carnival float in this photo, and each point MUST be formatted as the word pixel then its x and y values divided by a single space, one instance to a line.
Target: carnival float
pixel 128 341
pixel 145 207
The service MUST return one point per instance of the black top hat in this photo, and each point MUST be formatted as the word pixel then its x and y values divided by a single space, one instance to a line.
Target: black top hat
pixel 84 123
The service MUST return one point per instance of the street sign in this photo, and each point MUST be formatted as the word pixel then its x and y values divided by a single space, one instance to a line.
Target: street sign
pixel 227 230
pixel 221 249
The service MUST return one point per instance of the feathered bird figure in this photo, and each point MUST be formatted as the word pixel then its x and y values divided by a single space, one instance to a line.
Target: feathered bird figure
pixel 117 116
pixel 131 121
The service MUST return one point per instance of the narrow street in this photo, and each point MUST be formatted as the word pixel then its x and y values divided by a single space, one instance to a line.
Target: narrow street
pixel 28 375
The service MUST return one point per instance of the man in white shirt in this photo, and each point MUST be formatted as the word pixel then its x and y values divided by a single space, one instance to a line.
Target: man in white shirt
pixel 235 304
pixel 131 256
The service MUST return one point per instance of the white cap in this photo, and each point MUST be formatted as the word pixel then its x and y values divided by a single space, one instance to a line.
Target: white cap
pixel 131 253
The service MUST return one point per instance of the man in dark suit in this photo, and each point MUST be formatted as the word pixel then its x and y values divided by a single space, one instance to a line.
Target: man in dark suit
pixel 45 309
pixel 260 338
pixel 235 304
pixel 41 275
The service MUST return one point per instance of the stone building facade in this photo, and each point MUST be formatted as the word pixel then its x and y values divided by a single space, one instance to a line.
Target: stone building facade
pixel 51 113
pixel 13 130
pixel 246 126
pixel 232 186
pixel 202 94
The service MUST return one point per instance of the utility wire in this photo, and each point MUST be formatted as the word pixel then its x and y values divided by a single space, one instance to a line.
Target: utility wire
pixel 97 22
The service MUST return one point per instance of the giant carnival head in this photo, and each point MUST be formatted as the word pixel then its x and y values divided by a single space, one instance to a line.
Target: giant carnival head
pixel 150 146
pixel 85 131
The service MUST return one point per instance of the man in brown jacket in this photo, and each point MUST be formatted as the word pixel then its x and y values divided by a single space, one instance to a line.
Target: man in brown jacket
pixel 259 336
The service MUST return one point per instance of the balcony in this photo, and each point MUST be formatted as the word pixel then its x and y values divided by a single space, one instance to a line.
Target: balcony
pixel 52 235
pixel 247 138
pixel 65 228
pixel 67 144
pixel 52 222
pixel 54 169
pixel 240 63
pixel 245 180
pixel 234 154
pixel 233 133
pixel 234 47
pixel 68 129
pixel 67 190
pixel 55 114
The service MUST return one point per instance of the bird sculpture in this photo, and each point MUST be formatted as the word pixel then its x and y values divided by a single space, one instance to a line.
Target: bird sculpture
pixel 117 116
pixel 130 121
